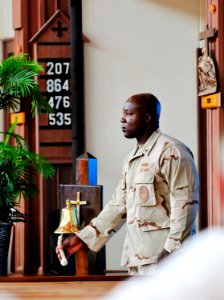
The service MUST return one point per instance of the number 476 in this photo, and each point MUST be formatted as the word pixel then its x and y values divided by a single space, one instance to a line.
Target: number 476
pixel 55 101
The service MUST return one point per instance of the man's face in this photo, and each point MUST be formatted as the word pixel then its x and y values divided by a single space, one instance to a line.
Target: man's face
pixel 133 120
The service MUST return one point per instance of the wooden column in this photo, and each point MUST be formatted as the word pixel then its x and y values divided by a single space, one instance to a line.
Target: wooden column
pixel 77 80
pixel 212 129
pixel 86 173
pixel 51 137
pixel 20 19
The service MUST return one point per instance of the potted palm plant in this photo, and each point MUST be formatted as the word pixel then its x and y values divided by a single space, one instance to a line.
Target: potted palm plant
pixel 18 165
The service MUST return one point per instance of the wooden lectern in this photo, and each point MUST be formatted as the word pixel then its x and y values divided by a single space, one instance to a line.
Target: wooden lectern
pixel 86 262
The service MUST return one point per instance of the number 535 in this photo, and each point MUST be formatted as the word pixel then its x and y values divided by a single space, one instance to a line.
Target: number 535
pixel 59 119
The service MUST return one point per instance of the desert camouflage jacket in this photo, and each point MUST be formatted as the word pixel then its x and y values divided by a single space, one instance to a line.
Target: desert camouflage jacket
pixel 157 197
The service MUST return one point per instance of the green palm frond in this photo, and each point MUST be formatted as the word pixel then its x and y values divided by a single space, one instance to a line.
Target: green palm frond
pixel 18 81
pixel 18 165
pixel 38 102
pixel 20 61
pixel 10 101
pixel 18 170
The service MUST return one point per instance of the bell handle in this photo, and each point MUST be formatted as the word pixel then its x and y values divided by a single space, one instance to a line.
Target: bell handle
pixel 64 260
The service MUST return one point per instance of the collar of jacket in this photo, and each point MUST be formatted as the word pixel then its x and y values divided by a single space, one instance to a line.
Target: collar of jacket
pixel 145 150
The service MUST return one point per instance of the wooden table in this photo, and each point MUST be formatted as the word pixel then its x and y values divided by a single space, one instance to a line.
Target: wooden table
pixel 55 287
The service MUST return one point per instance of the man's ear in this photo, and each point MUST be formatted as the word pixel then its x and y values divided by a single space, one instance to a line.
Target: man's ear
pixel 147 117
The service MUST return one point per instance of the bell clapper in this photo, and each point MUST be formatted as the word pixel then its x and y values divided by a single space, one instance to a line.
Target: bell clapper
pixel 64 260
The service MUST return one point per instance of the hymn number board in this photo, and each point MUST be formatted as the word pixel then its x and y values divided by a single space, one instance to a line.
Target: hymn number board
pixel 51 48
pixel 57 91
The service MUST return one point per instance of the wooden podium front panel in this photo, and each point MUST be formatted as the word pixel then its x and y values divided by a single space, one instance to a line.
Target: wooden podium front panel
pixel 90 193
pixel 93 195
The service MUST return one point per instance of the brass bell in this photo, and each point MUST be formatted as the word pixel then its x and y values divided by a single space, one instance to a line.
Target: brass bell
pixel 69 220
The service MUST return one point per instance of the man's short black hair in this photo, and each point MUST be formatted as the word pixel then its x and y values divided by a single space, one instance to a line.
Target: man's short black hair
pixel 151 105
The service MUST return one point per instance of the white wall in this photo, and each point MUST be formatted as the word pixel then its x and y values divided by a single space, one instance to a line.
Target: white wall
pixel 137 46
pixel 6 32
pixel 6 19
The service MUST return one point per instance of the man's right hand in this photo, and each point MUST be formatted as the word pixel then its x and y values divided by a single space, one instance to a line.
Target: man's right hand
pixel 70 245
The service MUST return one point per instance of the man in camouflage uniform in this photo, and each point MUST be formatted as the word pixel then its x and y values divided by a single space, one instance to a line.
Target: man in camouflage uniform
pixel 157 195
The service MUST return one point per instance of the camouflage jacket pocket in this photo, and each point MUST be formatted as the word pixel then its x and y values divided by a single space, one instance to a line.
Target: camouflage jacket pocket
pixel 144 190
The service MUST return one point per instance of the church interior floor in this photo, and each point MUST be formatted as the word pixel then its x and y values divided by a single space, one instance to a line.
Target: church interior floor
pixel 57 290
pixel 87 290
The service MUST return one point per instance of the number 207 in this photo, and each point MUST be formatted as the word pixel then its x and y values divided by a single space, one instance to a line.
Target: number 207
pixel 57 68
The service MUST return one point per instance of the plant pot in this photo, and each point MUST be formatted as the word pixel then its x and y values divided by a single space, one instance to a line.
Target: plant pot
pixel 5 234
